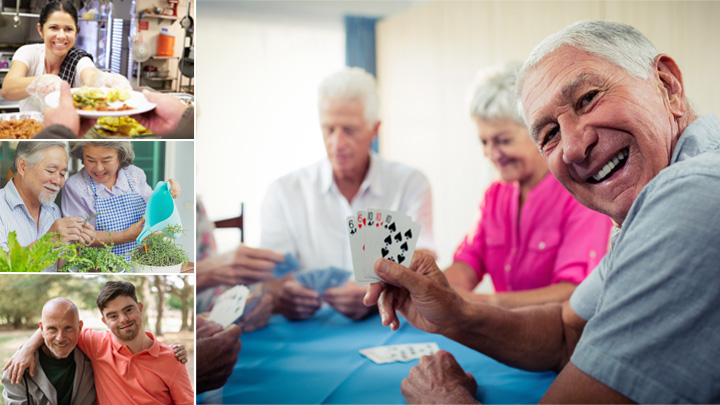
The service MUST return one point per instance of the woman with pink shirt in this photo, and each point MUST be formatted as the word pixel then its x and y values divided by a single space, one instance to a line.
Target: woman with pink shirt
pixel 534 240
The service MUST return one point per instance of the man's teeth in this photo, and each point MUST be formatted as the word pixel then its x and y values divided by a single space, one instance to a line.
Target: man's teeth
pixel 599 176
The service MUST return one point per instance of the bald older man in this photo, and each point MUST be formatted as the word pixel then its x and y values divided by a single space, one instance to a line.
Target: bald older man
pixel 63 375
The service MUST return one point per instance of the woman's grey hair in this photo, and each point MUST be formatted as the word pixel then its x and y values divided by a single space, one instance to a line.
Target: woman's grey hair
pixel 352 83
pixel 619 44
pixel 125 151
pixel 493 96
pixel 32 152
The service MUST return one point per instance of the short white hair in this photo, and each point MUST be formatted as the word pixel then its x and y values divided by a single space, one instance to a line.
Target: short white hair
pixel 617 43
pixel 492 94
pixel 352 84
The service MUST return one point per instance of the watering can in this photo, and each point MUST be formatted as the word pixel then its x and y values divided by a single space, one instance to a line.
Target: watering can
pixel 160 211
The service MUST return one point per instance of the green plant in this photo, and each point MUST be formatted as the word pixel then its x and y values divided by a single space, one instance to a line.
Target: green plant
pixel 42 254
pixel 160 249
pixel 84 259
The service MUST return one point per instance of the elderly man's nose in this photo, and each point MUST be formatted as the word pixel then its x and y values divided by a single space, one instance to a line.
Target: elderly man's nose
pixel 577 140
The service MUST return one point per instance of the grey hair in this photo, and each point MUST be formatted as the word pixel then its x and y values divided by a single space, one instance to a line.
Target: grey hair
pixel 32 152
pixel 493 96
pixel 617 43
pixel 125 151
pixel 352 83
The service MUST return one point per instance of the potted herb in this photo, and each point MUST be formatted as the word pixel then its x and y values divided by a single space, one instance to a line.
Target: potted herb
pixel 41 255
pixel 86 259
pixel 159 253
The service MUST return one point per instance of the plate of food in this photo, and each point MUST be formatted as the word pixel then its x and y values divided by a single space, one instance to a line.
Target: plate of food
pixel 98 102
pixel 22 125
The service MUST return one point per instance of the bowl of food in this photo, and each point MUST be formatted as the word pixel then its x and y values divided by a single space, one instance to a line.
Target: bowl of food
pixel 22 125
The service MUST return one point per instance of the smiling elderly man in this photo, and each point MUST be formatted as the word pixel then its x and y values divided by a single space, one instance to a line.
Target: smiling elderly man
pixel 62 374
pixel 27 202
pixel 611 116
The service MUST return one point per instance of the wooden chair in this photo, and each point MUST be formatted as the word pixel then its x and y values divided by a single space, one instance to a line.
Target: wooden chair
pixel 236 222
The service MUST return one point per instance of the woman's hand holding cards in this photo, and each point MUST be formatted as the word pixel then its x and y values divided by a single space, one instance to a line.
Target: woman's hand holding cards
pixel 297 302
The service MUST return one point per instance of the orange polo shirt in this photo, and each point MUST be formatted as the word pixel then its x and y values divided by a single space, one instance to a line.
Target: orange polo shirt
pixel 152 376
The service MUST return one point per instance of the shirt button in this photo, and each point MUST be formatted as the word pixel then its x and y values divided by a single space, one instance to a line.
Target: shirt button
pixel 507 267
pixel 541 245
pixel 593 254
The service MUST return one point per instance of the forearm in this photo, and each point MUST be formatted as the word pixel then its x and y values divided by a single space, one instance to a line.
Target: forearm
pixel 15 89
pixel 103 237
pixel 554 293
pixel 533 338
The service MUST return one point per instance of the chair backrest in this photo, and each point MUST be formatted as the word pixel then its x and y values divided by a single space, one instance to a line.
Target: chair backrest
pixel 236 222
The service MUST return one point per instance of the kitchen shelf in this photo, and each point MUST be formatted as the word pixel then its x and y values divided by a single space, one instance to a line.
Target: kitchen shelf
pixel 159 16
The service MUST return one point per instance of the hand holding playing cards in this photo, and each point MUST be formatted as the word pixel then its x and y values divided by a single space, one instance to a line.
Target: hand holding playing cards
pixel 348 300
pixel 245 265
pixel 439 379
pixel 259 316
pixel 421 294
pixel 217 353
pixel 297 302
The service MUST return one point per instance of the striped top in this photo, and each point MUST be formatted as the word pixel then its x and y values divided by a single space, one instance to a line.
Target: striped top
pixel 14 216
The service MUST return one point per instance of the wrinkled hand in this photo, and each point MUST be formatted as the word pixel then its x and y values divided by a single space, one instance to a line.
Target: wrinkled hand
pixel 44 85
pixel 421 294
pixel 164 118
pixel 259 317
pixel 174 188
pixel 439 379
pixel 245 265
pixel 297 302
pixel 87 237
pixel 180 352
pixel 217 353
pixel 22 360
pixel 348 300
pixel 65 113
pixel 134 230
pixel 113 80
pixel 71 229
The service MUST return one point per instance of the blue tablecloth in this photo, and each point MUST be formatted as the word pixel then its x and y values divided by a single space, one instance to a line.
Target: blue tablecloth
pixel 317 361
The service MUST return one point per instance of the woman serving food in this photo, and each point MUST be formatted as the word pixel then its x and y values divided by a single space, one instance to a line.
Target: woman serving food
pixel 110 191
pixel 38 69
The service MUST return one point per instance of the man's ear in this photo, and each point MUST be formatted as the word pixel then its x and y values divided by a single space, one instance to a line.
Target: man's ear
pixel 22 166
pixel 671 79
pixel 41 328
pixel 141 306
pixel 376 128
pixel 104 321
pixel 81 325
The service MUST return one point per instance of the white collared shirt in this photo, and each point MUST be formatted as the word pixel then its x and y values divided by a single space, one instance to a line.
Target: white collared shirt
pixel 304 212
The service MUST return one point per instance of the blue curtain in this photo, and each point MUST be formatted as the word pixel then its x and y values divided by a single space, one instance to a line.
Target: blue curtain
pixel 360 47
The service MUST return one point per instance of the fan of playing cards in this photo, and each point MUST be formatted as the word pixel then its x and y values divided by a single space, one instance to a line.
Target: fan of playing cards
pixel 376 234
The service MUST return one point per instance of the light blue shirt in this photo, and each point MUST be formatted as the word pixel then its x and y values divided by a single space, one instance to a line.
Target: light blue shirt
pixel 14 216
pixel 653 303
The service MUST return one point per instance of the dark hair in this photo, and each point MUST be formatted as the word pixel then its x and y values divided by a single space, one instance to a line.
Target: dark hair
pixel 58 5
pixel 113 289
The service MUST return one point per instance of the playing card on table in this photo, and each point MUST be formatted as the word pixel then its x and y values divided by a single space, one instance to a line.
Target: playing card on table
pixel 386 234
pixel 229 306
pixel 395 353
pixel 289 265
